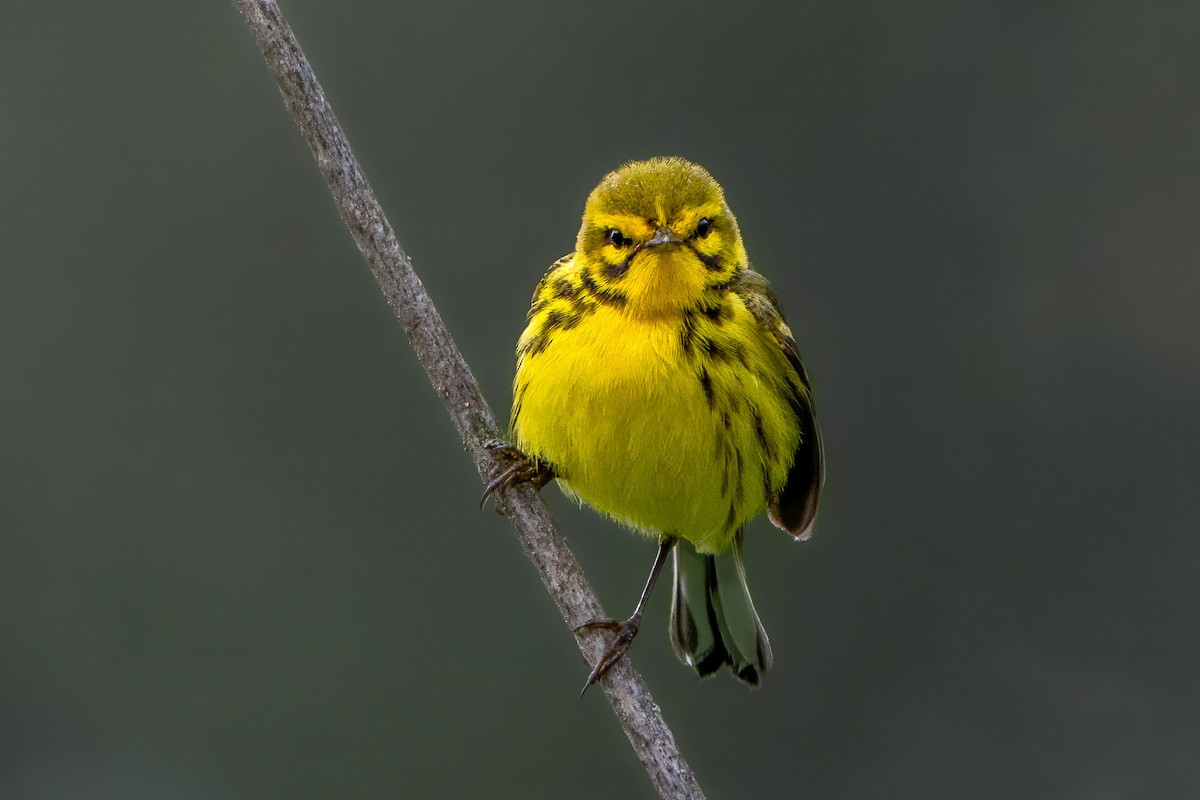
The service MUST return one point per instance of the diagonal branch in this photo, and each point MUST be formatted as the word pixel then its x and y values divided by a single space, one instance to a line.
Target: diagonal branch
pixel 452 379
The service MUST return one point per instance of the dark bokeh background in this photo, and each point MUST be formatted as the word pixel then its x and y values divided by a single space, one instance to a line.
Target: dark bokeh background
pixel 239 550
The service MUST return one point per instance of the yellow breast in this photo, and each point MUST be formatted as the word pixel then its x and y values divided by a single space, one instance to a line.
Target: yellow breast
pixel 653 431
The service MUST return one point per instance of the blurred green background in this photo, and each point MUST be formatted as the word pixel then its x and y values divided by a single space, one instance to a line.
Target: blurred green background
pixel 240 555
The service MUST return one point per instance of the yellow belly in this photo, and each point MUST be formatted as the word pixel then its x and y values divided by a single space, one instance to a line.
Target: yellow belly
pixel 619 411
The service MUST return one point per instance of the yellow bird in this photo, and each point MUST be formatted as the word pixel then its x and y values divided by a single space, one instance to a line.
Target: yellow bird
pixel 659 383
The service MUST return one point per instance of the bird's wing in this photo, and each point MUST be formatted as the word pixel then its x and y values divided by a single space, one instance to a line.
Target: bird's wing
pixel 795 508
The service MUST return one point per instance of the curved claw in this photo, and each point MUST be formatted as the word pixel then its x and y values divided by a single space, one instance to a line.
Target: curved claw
pixel 625 633
pixel 502 481
pixel 521 470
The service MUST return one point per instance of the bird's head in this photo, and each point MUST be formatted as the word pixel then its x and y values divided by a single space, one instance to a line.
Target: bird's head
pixel 659 233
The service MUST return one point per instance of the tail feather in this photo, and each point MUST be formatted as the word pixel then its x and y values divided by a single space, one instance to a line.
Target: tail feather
pixel 713 621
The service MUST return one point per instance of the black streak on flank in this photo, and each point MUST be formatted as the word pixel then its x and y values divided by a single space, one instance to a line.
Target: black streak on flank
pixel 558 320
pixel 768 451
pixel 706 385
pixel 731 520
pixel 725 469
pixel 717 313
pixel 734 350
pixel 713 349
pixel 688 333
pixel 518 401
pixel 535 344
pixel 737 476
pixel 555 321
pixel 796 401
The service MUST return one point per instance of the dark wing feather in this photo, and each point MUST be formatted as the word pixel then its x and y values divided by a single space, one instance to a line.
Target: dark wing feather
pixel 795 508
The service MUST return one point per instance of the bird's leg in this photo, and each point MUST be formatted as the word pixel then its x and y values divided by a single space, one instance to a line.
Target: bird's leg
pixel 625 631
pixel 522 469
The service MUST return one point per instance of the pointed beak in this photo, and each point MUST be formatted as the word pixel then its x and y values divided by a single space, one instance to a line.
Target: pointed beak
pixel 662 236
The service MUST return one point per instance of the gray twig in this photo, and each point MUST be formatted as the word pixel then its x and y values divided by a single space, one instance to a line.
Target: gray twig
pixel 453 381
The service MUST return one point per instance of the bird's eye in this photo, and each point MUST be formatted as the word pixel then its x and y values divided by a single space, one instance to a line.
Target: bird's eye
pixel 614 237
pixel 703 227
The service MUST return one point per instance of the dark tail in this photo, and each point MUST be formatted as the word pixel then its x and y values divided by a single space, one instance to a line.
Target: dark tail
pixel 713 621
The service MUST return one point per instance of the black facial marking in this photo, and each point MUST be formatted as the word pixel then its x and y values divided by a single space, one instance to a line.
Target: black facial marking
pixel 615 271
pixel 606 296
pixel 711 262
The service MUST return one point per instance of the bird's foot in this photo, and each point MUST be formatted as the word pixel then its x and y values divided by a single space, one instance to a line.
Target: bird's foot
pixel 625 632
pixel 521 469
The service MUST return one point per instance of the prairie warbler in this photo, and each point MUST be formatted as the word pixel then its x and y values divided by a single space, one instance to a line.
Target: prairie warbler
pixel 658 382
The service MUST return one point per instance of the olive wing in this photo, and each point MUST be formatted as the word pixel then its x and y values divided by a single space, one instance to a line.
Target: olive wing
pixel 794 509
